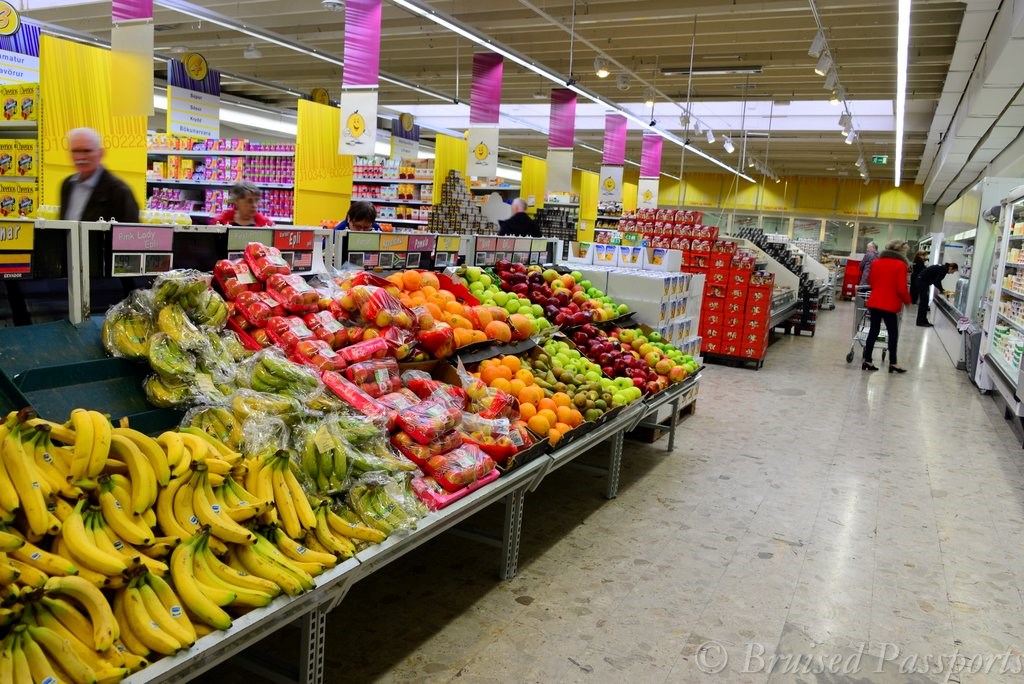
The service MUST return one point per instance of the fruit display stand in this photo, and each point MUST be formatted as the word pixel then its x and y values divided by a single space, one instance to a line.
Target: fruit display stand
pixel 17 291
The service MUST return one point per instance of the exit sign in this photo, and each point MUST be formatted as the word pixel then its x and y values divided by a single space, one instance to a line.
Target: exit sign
pixel 880 159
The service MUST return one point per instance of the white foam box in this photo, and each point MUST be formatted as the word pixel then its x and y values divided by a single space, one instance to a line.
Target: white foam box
pixel 654 314
pixel 580 254
pixel 662 259
pixel 632 285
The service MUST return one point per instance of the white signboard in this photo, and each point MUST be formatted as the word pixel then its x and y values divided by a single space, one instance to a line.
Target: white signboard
pixel 358 122
pixel 647 193
pixel 559 170
pixel 18 68
pixel 611 184
pixel 192 114
pixel 482 160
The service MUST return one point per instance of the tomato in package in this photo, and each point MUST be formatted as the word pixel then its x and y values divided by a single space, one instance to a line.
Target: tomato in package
pixel 294 293
pixel 288 331
pixel 460 467
pixel 234 277
pixel 258 308
pixel 376 376
pixel 356 398
pixel 265 261
pixel 375 348
pixel 420 453
pixel 327 328
pixel 318 354
pixel 429 419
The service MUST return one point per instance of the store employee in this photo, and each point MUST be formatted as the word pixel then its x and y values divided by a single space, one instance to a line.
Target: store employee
pixel 94 193
pixel 362 216
pixel 244 197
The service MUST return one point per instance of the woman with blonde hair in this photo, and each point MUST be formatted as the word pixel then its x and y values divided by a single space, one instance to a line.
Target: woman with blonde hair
pixel 888 281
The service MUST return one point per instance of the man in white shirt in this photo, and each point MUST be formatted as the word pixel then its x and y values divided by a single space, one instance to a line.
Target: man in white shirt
pixel 93 193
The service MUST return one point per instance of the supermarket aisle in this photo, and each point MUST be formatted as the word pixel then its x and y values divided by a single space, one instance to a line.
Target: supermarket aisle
pixel 810 510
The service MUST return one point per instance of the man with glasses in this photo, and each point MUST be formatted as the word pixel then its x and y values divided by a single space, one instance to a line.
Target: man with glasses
pixel 93 193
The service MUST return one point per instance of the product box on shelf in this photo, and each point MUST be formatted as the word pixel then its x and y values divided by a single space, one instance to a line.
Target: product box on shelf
pixel 605 255
pixel 661 259
pixel 627 256
pixel 580 254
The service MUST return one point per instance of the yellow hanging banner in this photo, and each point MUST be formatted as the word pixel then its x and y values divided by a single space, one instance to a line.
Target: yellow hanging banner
pixel 323 178
pixel 535 178
pixel 450 154
pixel 590 185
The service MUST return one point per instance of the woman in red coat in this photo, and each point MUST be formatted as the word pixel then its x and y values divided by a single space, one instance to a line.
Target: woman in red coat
pixel 888 281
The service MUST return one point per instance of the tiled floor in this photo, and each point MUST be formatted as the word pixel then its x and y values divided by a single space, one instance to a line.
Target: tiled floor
pixel 857 527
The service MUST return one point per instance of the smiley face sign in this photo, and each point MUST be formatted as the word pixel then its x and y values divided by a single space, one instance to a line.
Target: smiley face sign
pixel 481 152
pixel 609 183
pixel 356 125
pixel 195 65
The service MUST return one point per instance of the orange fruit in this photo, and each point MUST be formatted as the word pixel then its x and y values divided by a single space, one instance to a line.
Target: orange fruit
pixel 548 415
pixel 512 362
pixel 487 363
pixel 525 375
pixel 479 336
pixel 562 427
pixel 547 403
pixel 554 436
pixel 453 307
pixel 501 384
pixel 482 316
pixel 435 311
pixel 575 418
pixel 462 337
pixel 428 291
pixel 446 295
pixel 499 313
pixel 561 399
pixel 489 374
pixel 395 279
pixel 526 410
pixel 522 326
pixel 457 321
pixel 539 424
pixel 497 330
pixel 428 279
pixel 412 280
pixel 564 414
pixel 516 386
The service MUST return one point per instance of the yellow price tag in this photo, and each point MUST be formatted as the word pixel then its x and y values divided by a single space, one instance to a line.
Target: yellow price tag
pixel 17 235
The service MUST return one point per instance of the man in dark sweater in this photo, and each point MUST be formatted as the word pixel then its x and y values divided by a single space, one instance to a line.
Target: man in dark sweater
pixel 519 224
pixel 94 193
pixel 933 275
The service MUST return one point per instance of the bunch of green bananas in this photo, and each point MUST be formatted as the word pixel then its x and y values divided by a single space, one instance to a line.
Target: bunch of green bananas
pixel 369 449
pixel 278 375
pixel 220 424
pixel 378 508
pixel 173 321
pixel 324 457
pixel 164 393
pixel 206 308
pixel 247 403
pixel 178 285
pixel 126 333
pixel 169 360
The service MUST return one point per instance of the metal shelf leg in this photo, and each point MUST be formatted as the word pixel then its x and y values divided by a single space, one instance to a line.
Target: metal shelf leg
pixel 314 636
pixel 614 465
pixel 512 533
pixel 672 429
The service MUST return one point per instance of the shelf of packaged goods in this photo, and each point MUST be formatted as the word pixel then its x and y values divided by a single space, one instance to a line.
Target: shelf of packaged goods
pixel 1010 264
pixel 1016 295
pixel 218 184
pixel 378 200
pixel 1010 322
pixel 220 153
pixel 394 181
pixel 1016 237
pixel 561 205
pixel 494 188
pixel 415 222
pixel 601 217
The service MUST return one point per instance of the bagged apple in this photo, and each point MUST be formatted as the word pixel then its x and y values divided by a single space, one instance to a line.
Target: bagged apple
pixel 234 276
pixel 429 419
pixel 399 400
pixel 460 467
pixel 318 354
pixel 294 293
pixel 439 340
pixel 265 261
pixel 420 453
pixel 357 398
pixel 257 307
pixel 327 328
pixel 376 376
pixel 375 348
pixel 288 331
pixel 498 438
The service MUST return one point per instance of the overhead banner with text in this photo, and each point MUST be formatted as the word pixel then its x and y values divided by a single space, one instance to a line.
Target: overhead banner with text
pixel 19 56
pixel 650 171
pixel 193 97
pixel 485 115
pixel 561 131
pixel 131 51
pixel 614 159
pixel 360 77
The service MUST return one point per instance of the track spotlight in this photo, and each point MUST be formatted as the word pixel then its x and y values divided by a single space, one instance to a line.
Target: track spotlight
pixel 844 121
pixel 834 100
pixel 252 52
pixel 684 120
pixel 817 45
pixel 831 80
pixel 851 137
pixel 860 162
pixel 711 137
pixel 727 144
pixel 601 67
pixel 622 81
pixel 824 63
pixel 751 162
pixel 649 96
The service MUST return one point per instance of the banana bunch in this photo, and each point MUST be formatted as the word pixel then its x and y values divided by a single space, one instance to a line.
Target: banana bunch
pixel 126 333
pixel 174 322
pixel 336 536
pixel 151 617
pixel 169 360
pixel 205 308
pixel 164 393
pixel 271 478
pixel 369 449
pixel 378 507
pixel 248 403
pixel 178 285
pixel 275 374
pixel 324 457
pixel 220 424
pixel 23 485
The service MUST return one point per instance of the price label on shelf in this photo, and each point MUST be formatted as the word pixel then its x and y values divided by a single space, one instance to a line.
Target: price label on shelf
pixel 17 235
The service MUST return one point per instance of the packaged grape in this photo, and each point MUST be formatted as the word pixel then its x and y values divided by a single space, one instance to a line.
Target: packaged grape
pixel 265 261
pixel 327 328
pixel 294 293
pixel 288 331
pixel 319 354
pixel 399 400
pixel 420 453
pixel 357 398
pixel 375 348
pixel 460 467
pixel 233 276
pixel 428 420
pixel 376 376
pixel 258 307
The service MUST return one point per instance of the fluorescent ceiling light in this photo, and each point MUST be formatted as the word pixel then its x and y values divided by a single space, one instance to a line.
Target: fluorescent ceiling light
pixel 711 70
pixel 817 45
pixel 902 47
pixel 824 63
pixel 601 68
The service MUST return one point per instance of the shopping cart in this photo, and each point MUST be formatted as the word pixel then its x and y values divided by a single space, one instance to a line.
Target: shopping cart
pixel 862 324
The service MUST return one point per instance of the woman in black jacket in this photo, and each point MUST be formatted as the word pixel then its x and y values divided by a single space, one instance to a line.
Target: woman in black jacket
pixel 918 266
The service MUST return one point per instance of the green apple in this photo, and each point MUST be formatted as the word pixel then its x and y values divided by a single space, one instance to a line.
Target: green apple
pixel 476 288
pixel 500 298
pixel 577 276
pixel 654 336
pixel 486 280
pixel 623 383
pixel 538 310
pixel 473 273
pixel 585 284
pixel 550 275
pixel 512 306
pixel 623 309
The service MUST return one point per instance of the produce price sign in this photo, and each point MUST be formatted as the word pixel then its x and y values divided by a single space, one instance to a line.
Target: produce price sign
pixel 296 245
pixel 16 235
pixel 446 253
pixel 141 250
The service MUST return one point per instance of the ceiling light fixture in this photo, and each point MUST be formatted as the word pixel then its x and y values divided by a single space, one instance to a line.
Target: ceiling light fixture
pixel 751 162
pixel 684 120
pixel 727 144
pixel 649 96
pixel 601 67
pixel 711 137
pixel 831 80
pixel 622 81
pixel 711 70
pixel 851 137
pixel 844 120
pixel 834 100
pixel 252 52
pixel 817 45
pixel 902 47
pixel 824 64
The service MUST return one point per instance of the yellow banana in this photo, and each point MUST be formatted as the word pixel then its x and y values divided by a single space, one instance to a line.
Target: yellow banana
pixel 45 618
pixel 261 566
pixel 85 437
pixel 144 482
pixel 217 448
pixel 29 494
pixel 197 446
pixel 132 529
pixel 105 543
pixel 59 432
pixel 307 518
pixel 173 446
pixel 165 516
pixel 152 450
pixel 27 575
pixel 145 627
pixel 132 661
pixel 83 547
pixel 10 541
pixel 44 561
pixel 131 642
pixel 62 654
pixel 345 528
pixel 22 674
pixel 38 664
pixel 105 627
pixel 235 577
pixel 297 552
pixel 286 507
pixel 221 526
pixel 159 550
pixel 178 623
pixel 337 544
pixel 70 624
pixel 163 620
pixel 190 591
pixel 183 511
pixel 242 596
pixel 101 444
pixel 55 468
pixel 6 516
pixel 60 508
pixel 98 580
pixel 132 555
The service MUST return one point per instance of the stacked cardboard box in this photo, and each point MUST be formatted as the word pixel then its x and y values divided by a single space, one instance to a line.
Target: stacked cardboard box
pixel 737 308
pixel 456 213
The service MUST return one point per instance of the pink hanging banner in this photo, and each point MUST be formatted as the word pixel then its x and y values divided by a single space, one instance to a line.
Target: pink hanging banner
pixel 614 140
pixel 563 119
pixel 650 156
pixel 485 95
pixel 362 43
pixel 131 10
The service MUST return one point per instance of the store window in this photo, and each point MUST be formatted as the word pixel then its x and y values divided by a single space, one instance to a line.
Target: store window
pixel 838 237
pixel 739 222
pixel 867 232
pixel 806 229
pixel 775 224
